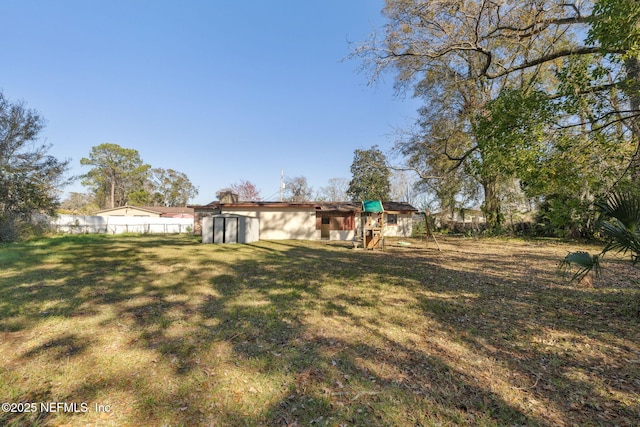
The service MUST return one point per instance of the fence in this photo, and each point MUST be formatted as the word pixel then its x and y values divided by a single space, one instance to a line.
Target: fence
pixel 80 224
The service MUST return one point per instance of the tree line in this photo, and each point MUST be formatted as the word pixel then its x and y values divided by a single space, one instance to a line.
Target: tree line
pixel 31 179
pixel 523 103
pixel 531 101
pixel 119 177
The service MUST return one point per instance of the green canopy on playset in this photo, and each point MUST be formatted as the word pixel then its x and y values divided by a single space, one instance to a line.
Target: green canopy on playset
pixel 372 206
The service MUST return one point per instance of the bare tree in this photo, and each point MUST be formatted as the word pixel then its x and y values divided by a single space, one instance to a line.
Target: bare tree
pixel 335 191
pixel 297 190
pixel 79 203
pixel 403 186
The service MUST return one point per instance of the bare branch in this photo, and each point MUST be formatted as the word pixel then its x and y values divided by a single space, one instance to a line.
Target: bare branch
pixel 620 118
pixel 536 27
pixel 582 50
pixel 416 170
pixel 461 159
pixel 589 90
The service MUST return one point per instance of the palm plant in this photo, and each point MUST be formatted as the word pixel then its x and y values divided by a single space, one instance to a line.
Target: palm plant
pixel 619 224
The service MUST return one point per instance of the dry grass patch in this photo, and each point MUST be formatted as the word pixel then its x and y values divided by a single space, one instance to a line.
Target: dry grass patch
pixel 162 330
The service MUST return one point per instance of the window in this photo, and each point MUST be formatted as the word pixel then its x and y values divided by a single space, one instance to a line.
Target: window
pixel 326 220
pixel 392 219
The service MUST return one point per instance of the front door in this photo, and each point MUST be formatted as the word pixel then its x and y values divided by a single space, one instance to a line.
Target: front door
pixel 325 227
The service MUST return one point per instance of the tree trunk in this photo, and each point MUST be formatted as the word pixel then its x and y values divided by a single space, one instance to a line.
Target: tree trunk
pixel 492 211
pixel 632 67
pixel 113 193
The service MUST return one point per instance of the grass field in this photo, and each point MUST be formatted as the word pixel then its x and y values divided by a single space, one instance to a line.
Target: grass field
pixel 162 330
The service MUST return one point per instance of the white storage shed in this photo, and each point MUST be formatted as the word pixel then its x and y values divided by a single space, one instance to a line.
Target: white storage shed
pixel 230 228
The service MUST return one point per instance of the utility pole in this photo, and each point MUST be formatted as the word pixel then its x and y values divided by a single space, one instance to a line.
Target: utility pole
pixel 281 183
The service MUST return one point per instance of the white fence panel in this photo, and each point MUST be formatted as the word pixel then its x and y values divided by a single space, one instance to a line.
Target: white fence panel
pixel 81 224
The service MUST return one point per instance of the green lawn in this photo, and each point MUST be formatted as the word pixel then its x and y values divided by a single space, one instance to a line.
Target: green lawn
pixel 162 330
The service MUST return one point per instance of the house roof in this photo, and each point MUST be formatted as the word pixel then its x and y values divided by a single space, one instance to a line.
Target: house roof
pixel 172 209
pixel 339 206
pixel 321 206
pixel 217 205
pixel 398 207
pixel 162 210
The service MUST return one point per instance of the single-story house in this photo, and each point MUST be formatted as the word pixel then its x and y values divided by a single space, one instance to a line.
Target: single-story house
pixel 459 216
pixel 309 220
pixel 148 211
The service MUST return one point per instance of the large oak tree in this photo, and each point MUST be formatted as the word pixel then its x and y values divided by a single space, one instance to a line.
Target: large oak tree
pixel 467 59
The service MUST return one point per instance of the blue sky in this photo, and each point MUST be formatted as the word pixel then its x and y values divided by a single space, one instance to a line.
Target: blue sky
pixel 219 90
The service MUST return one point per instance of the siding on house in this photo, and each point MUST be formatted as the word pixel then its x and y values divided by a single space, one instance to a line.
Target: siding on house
pixel 462 216
pixel 403 228
pixel 304 221
pixel 286 223
pixel 337 221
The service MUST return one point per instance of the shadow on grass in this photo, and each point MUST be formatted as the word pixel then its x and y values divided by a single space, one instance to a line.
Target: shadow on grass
pixel 63 347
pixel 339 336
pixel 56 277
pixel 330 384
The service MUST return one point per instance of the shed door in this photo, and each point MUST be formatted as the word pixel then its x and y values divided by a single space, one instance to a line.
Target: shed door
pixel 231 230
pixel 207 229
pixel 218 230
